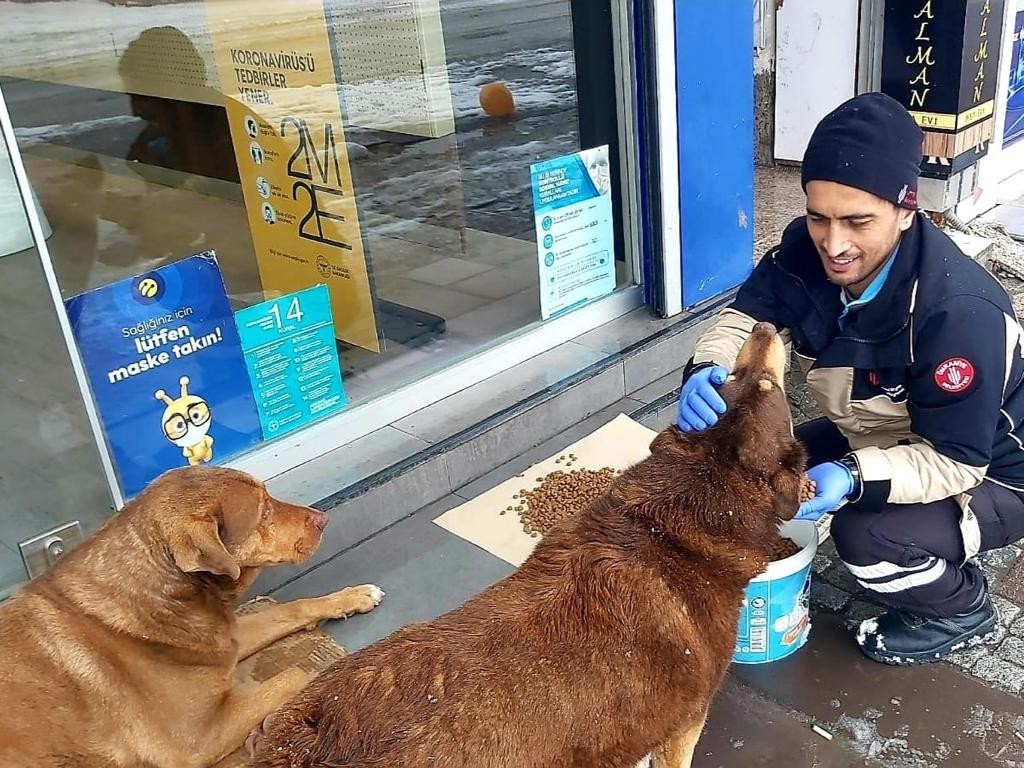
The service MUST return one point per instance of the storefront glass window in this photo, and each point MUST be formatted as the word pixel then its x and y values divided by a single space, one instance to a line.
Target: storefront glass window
pixel 355 174
pixel 50 470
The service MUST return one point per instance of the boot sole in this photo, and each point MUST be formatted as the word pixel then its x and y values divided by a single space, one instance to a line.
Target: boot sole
pixel 990 628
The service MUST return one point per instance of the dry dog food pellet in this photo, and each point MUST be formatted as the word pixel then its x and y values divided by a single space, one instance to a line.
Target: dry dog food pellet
pixel 783 548
pixel 807 489
pixel 560 495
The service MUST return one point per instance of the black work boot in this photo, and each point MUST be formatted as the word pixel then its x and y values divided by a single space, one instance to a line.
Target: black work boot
pixel 902 639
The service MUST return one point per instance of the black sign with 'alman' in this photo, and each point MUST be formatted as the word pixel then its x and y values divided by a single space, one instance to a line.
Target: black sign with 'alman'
pixel 940 59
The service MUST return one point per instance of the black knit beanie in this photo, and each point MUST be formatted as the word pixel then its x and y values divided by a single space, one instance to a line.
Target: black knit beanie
pixel 869 142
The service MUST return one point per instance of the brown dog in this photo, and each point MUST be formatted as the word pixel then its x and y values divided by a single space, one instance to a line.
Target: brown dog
pixel 123 654
pixel 607 644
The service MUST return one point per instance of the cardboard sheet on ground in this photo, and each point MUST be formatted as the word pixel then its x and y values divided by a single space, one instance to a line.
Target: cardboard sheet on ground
pixel 311 651
pixel 618 445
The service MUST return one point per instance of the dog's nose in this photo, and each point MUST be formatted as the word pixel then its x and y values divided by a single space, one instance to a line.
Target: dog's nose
pixel 765 329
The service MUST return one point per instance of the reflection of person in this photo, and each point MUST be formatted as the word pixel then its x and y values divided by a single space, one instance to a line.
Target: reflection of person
pixel 914 353
pixel 189 136
pixel 600 173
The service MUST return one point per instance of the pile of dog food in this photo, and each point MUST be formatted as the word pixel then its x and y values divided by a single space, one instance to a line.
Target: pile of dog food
pixel 559 495
pixel 808 488
pixel 783 548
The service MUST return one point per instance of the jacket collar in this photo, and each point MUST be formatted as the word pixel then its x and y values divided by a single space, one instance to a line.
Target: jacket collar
pixel 851 304
pixel 876 335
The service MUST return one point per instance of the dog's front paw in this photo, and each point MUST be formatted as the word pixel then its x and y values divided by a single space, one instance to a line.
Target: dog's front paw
pixel 362 599
pixel 368 596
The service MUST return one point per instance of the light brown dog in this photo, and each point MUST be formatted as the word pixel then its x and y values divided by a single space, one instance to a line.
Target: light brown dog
pixel 123 654
pixel 607 644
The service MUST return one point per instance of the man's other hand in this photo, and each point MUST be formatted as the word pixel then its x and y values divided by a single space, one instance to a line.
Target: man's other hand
pixel 833 486
pixel 700 405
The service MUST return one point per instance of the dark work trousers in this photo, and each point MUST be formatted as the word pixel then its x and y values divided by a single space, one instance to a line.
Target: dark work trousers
pixel 911 556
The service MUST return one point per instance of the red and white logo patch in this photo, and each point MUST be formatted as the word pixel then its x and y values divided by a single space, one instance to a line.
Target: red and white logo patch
pixel 955 375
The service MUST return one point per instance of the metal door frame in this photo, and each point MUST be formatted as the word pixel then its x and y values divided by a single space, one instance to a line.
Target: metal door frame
pixel 39 238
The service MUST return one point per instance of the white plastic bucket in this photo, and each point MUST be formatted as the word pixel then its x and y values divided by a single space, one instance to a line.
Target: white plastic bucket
pixel 774 618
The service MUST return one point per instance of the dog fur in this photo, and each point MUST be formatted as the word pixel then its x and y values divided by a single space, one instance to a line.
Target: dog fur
pixel 609 642
pixel 123 654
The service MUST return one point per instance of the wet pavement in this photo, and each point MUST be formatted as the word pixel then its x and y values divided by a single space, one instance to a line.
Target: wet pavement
pixel 746 728
pixel 876 715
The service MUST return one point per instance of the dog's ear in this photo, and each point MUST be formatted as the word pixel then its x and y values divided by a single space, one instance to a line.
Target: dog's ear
pixel 794 456
pixel 786 487
pixel 241 510
pixel 200 549
pixel 205 541
pixel 669 440
pixel 786 482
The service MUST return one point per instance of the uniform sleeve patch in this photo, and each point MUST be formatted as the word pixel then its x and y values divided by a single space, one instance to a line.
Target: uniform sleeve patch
pixel 955 375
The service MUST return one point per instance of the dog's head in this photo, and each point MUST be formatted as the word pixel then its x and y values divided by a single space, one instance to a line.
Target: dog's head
pixel 223 522
pixel 758 428
pixel 752 448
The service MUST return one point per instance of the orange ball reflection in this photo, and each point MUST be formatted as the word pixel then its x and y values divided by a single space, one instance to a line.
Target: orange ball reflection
pixel 496 100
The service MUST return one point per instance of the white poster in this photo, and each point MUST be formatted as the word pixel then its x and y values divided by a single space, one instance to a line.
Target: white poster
pixel 572 207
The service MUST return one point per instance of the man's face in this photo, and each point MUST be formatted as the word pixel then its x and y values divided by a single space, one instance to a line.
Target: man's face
pixel 854 232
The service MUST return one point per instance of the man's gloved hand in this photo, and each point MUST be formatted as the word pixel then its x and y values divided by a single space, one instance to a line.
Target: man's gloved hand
pixel 833 486
pixel 700 405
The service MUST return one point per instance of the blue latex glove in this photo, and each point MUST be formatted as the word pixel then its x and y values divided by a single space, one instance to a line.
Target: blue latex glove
pixel 834 484
pixel 700 405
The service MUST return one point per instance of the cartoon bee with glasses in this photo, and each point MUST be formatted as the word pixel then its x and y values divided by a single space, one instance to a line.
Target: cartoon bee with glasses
pixel 186 423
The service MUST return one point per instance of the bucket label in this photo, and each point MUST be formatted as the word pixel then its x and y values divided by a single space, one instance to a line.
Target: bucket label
pixel 774 618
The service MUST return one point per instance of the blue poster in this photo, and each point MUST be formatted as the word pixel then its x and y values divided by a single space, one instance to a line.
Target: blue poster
pixel 572 207
pixel 166 369
pixel 1013 129
pixel 292 359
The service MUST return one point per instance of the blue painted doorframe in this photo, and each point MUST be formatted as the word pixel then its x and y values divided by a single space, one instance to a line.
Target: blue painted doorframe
pixel 715 94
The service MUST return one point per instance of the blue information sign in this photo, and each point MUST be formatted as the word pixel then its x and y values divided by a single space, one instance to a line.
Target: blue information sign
pixel 166 369
pixel 292 358
pixel 575 237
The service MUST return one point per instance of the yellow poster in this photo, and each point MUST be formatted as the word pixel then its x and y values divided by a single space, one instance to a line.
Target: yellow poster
pixel 283 105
